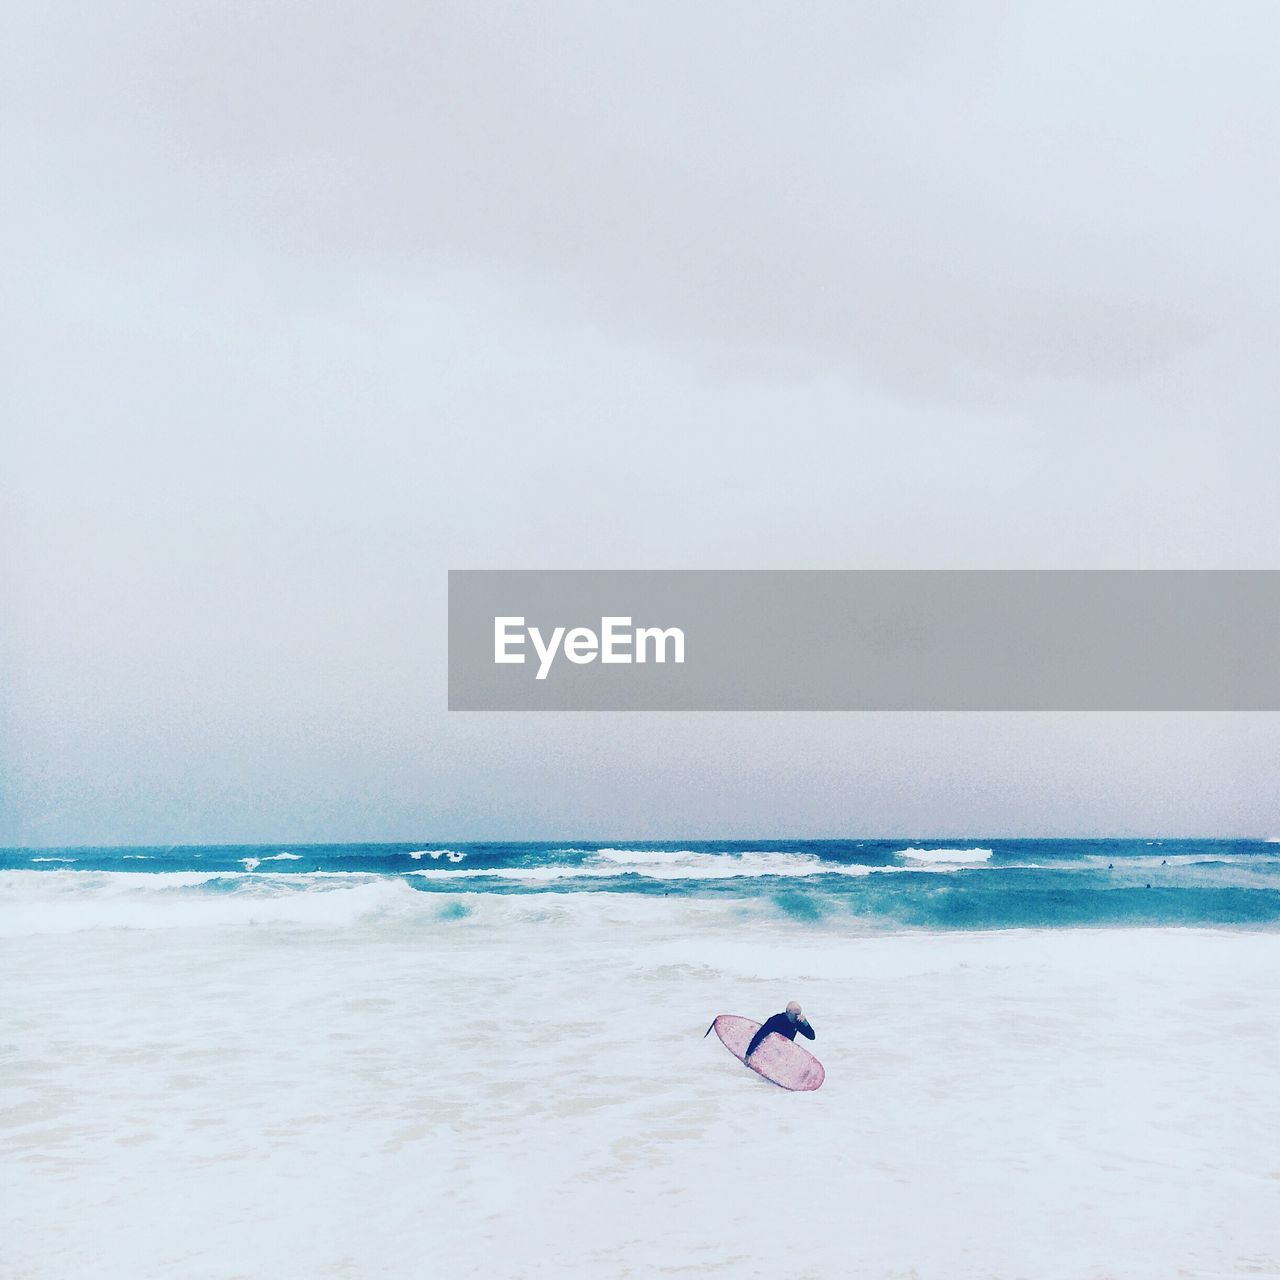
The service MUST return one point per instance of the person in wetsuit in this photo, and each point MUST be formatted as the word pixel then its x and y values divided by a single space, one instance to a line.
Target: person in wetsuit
pixel 785 1024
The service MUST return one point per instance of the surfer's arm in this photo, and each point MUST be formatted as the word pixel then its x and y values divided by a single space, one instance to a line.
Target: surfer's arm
pixel 771 1025
pixel 806 1030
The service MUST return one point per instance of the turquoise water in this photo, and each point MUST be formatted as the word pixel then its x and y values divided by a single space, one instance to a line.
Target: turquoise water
pixel 952 883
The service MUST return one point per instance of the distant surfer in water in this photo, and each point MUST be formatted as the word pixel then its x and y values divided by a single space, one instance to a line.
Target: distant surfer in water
pixel 786 1024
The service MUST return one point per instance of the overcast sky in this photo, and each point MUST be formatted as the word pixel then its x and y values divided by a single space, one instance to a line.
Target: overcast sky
pixel 306 304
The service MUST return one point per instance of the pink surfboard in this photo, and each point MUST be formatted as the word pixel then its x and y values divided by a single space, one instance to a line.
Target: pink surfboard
pixel 779 1060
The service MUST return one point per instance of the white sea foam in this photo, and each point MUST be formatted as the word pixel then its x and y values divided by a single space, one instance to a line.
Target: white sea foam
pixel 40 902
pixel 679 864
pixel 68 880
pixel 285 1104
pixel 283 857
pixel 946 855
pixel 453 855
pixel 52 859
pixel 250 863
pixel 689 864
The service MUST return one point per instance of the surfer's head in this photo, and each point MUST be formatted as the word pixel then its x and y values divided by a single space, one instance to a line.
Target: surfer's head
pixel 794 1012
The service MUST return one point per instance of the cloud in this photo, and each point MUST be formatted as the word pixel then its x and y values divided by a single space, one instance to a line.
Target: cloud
pixel 946 201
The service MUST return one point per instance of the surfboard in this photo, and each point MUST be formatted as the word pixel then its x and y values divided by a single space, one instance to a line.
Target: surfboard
pixel 777 1059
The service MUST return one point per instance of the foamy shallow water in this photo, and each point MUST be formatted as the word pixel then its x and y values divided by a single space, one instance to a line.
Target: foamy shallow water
pixel 519 1087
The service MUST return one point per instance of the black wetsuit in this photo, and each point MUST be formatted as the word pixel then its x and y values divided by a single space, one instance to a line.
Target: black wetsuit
pixel 784 1027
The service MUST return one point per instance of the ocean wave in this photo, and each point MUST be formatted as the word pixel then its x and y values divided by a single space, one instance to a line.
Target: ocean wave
pixel 34 903
pixel 946 855
pixel 72 901
pixel 73 880
pixel 668 864
pixel 1146 862
pixel 835 897
pixel 252 864
pixel 454 855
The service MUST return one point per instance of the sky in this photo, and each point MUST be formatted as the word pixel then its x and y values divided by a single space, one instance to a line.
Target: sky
pixel 307 304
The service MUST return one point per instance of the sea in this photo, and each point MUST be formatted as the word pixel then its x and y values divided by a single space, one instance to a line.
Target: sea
pixel 971 883
pixel 1049 1058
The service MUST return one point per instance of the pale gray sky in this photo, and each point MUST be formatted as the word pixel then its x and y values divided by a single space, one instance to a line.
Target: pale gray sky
pixel 306 304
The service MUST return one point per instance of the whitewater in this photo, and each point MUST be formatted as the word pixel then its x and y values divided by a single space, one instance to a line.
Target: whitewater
pixel 334 1065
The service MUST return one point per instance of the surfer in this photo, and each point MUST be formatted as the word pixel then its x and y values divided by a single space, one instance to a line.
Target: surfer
pixel 786 1024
